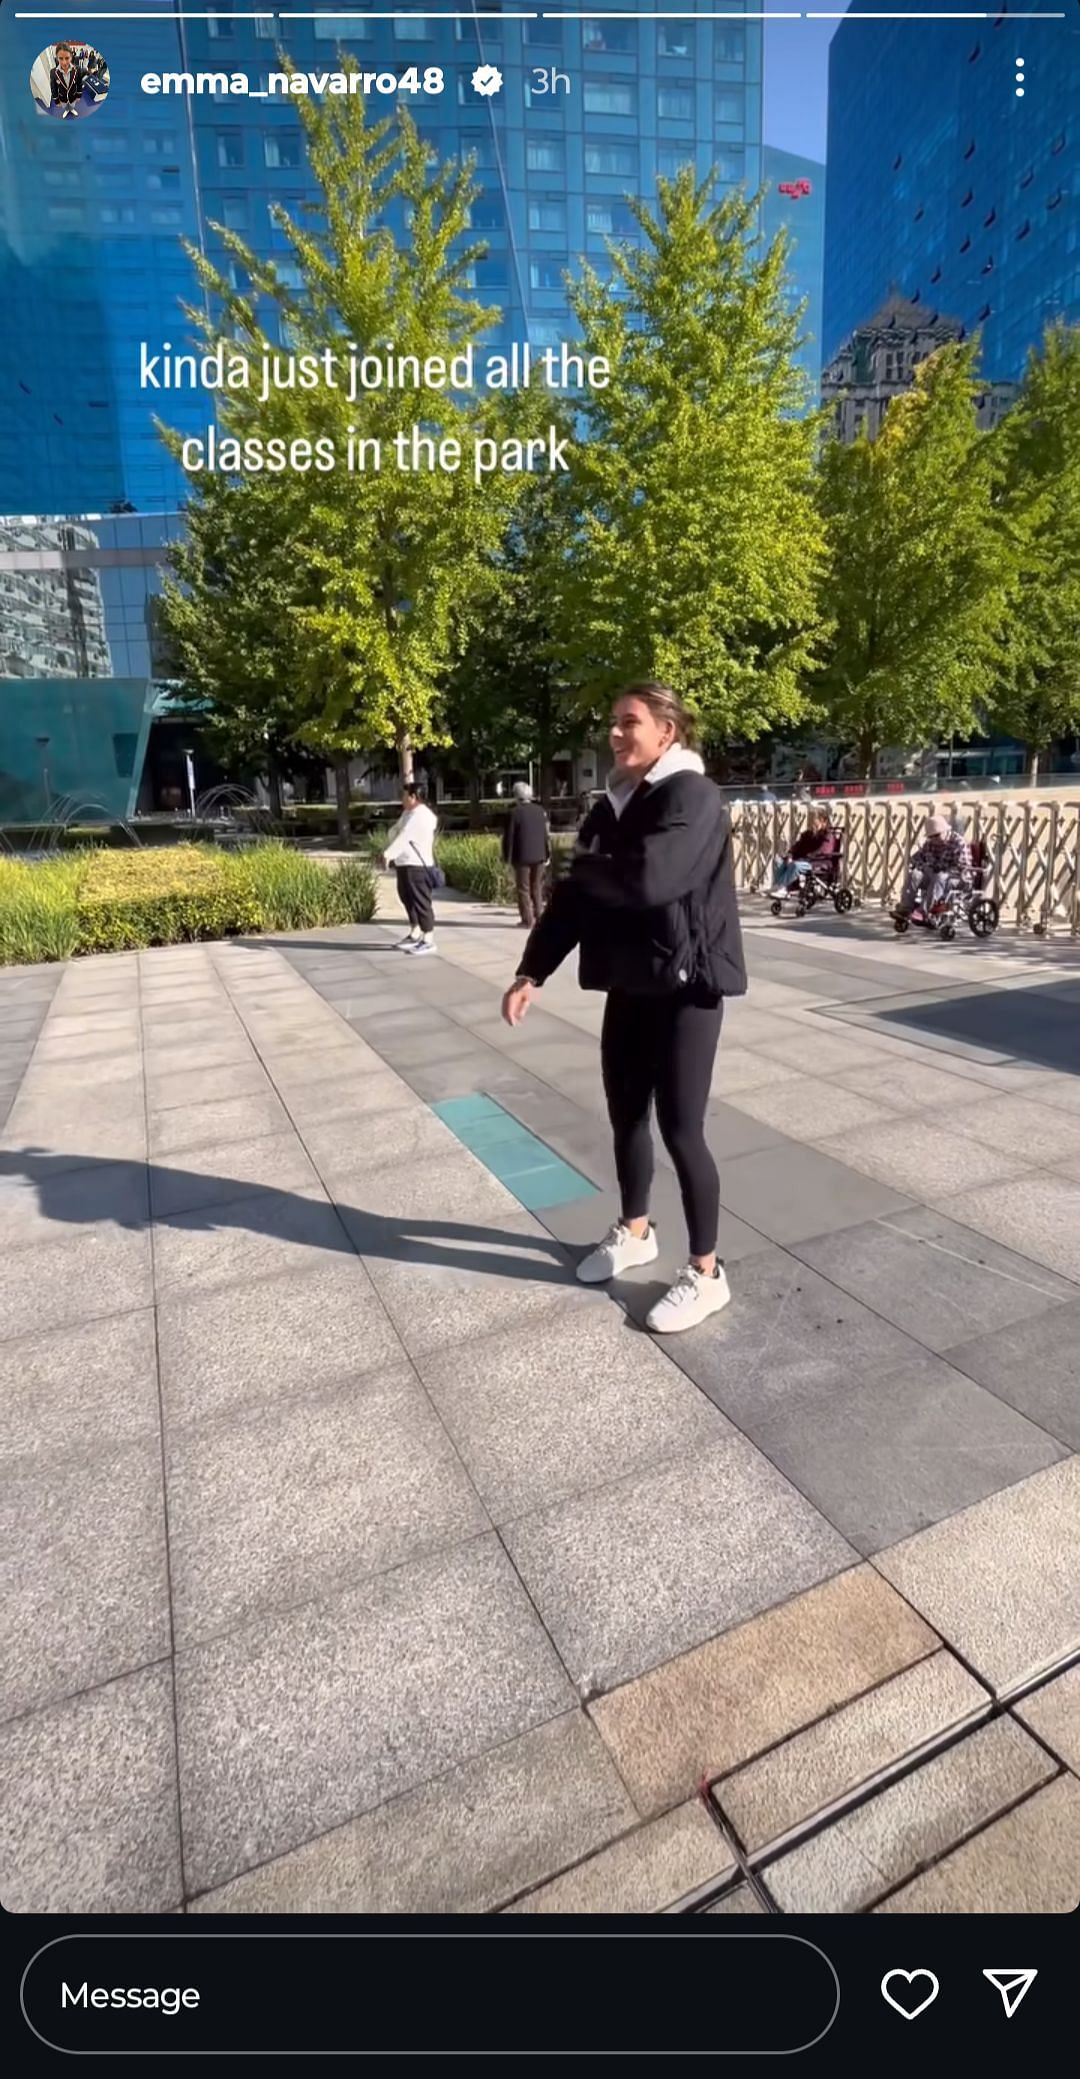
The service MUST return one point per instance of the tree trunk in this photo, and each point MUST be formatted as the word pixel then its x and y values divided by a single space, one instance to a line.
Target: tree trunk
pixel 867 758
pixel 405 757
pixel 1032 773
pixel 476 812
pixel 273 783
pixel 341 797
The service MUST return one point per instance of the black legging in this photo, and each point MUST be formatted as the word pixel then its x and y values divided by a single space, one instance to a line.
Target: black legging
pixel 663 1048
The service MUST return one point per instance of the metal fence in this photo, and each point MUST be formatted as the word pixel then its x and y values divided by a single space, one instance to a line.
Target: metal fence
pixel 1034 850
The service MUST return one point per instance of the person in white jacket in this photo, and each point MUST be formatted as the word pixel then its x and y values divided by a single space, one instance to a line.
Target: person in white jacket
pixel 411 851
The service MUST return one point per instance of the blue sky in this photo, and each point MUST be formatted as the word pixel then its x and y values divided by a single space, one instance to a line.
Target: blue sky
pixel 796 85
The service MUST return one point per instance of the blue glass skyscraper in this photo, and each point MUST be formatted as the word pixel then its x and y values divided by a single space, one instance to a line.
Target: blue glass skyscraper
pixel 794 201
pixel 90 239
pixel 948 187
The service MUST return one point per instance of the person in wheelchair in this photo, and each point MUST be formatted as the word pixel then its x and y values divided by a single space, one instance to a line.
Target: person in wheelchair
pixel 942 855
pixel 816 849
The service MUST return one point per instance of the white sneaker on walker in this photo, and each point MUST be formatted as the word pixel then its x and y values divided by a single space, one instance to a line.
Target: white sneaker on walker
pixel 619 1251
pixel 694 1296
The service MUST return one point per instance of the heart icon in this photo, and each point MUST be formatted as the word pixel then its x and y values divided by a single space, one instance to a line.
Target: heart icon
pixel 907 2000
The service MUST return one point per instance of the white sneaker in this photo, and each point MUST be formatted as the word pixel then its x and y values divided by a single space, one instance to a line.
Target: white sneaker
pixel 692 1298
pixel 420 945
pixel 619 1251
pixel 405 945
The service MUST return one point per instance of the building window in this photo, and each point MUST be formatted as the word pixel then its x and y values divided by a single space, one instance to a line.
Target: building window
pixel 165 181
pixel 282 149
pixel 730 105
pixel 675 40
pixel 485 29
pixel 492 273
pixel 487 214
pixel 608 36
pixel 414 30
pixel 677 103
pixel 117 212
pixel 339 28
pixel 613 97
pixel 67 213
pixel 548 273
pixel 549 33
pixel 234 212
pixel 671 158
pixel 610 218
pixel 230 148
pixel 545 154
pixel 166 214
pixel 264 27
pixel 615 160
pixel 480 145
pixel 547 215
pixel 113 145
pixel 729 46
pixel 730 167
pixel 219 26
pixel 160 144
pixel 62 177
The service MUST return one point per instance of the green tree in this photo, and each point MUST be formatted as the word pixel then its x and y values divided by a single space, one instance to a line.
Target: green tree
pixel 510 698
pixel 924 566
pixel 373 574
pixel 1039 697
pixel 700 553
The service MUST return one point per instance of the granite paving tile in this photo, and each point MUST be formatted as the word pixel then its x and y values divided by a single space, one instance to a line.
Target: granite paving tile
pixel 837 1756
pixel 645 1872
pixel 923 1158
pixel 187 1088
pixel 810 1109
pixel 630 1574
pixel 741 1900
pixel 1025 1863
pixel 468 1843
pixel 935 1279
pixel 273 1505
pixel 39 1203
pixel 1034 1365
pixel 713 1708
pixel 347 1151
pixel 75 1390
pixel 1001 1581
pixel 268 1233
pixel 82 1566
pixel 173 1057
pixel 1021 1126
pixel 1053 1713
pixel 85 1276
pixel 886 1841
pixel 450 1290
pixel 794 1191
pixel 280 1338
pixel 88 1811
pixel 888 1454
pixel 294 1724
pixel 219 1122
pixel 1037 1215
pixel 210 1176
pixel 578 1400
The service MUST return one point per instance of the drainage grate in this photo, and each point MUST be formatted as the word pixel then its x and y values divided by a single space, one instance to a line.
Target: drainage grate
pixel 531 1170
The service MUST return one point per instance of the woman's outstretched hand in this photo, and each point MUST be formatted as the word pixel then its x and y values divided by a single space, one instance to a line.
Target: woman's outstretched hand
pixel 516 1002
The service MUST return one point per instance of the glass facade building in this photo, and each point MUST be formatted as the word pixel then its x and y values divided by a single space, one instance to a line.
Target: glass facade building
pixel 947 187
pixel 94 210
pixel 794 201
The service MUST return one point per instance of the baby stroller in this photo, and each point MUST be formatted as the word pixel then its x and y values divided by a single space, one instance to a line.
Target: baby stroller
pixel 964 901
pixel 823 882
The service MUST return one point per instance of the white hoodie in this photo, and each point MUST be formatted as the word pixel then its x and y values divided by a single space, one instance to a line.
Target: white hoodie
pixel 678 759
pixel 412 839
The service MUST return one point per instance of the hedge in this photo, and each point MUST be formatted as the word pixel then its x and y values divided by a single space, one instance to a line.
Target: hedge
pixel 104 901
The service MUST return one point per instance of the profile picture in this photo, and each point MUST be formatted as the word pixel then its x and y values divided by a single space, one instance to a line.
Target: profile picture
pixel 69 80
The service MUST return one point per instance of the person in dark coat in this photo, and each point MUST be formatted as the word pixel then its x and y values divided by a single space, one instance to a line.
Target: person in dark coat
pixel 527 848
pixel 650 901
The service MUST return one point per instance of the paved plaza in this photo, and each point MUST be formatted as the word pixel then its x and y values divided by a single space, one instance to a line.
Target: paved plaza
pixel 356 1559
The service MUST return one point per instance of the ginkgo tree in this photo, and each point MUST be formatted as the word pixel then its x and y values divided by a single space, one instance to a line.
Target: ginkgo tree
pixel 373 575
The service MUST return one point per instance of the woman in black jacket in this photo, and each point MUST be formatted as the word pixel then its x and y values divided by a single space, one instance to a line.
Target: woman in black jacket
pixel 650 900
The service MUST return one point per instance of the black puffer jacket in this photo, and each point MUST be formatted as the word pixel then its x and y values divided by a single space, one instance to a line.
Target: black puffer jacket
pixel 650 896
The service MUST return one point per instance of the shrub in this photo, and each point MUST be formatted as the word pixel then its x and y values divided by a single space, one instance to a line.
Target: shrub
pixel 159 898
pixel 354 892
pixel 476 866
pixel 292 890
pixel 38 918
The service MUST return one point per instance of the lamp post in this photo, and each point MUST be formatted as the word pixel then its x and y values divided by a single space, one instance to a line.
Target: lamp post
pixel 43 747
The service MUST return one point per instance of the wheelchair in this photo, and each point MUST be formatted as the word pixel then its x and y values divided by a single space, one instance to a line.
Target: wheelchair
pixel 965 901
pixel 823 883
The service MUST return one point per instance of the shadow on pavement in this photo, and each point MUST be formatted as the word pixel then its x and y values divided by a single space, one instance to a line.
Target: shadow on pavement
pixel 1040 1025
pixel 115 1191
